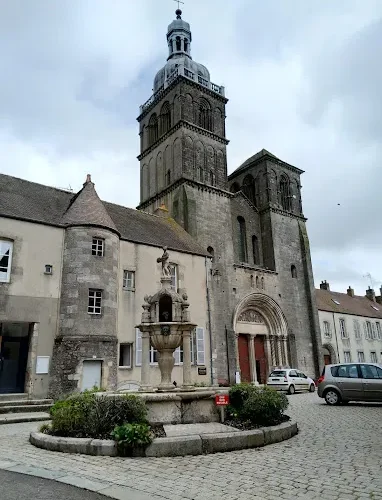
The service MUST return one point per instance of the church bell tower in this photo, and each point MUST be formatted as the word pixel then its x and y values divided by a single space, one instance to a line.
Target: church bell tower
pixel 182 133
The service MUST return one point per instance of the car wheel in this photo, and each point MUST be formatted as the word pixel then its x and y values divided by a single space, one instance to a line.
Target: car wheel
pixel 312 388
pixel 291 389
pixel 332 397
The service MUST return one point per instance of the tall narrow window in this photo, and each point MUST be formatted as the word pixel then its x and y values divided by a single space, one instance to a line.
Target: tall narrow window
pixel 138 347
pixel 249 188
pixel 168 178
pixel 185 45
pixel 165 118
pixel 174 277
pixel 373 357
pixel 128 280
pixel 357 329
pixel 242 240
pixel 361 356
pixel 347 357
pixel 285 193
pixel 153 129
pixel 293 271
pixel 205 117
pixel 343 328
pixel 255 250
pixel 6 248
pixel 98 247
pixel 200 357
pixel 369 330
pixel 379 333
pixel 178 44
pixel 327 332
pixel 125 355
pixel 211 251
pixel 95 301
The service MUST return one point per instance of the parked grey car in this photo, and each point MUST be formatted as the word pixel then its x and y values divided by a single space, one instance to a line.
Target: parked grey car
pixel 346 382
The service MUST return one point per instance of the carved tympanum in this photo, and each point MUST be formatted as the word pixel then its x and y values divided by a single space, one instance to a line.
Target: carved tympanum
pixel 251 316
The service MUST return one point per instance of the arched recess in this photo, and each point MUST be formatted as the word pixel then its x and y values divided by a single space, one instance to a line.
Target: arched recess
pixel 204 114
pixel 199 160
pixel 160 172
pixel 177 156
pixel 167 158
pixel 218 122
pixel 249 188
pixel 188 108
pixel 188 150
pixel 235 187
pixel 332 353
pixel 221 170
pixel 152 177
pixel 284 191
pixel 145 182
pixel 275 337
pixel 176 109
pixel 153 129
pixel 165 118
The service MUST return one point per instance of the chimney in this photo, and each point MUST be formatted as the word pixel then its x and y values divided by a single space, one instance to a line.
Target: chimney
pixel 161 211
pixel 324 285
pixel 379 299
pixel 350 291
pixel 370 294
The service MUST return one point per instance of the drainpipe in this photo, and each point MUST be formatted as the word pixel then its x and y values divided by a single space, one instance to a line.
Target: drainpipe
pixel 335 334
pixel 209 318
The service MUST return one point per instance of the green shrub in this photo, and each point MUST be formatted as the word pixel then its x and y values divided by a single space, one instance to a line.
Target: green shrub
pixel 131 436
pixel 89 415
pixel 45 428
pixel 257 405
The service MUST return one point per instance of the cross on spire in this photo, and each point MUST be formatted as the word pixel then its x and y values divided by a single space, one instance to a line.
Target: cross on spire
pixel 179 2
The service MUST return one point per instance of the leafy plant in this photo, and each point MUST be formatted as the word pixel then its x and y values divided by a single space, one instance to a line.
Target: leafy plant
pixel 45 428
pixel 131 436
pixel 91 415
pixel 257 405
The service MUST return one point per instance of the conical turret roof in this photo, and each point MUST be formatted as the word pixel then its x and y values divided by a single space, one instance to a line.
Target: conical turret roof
pixel 87 209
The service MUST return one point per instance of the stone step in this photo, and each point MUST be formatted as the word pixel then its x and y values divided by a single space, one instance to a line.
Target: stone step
pixel 24 408
pixel 20 396
pixel 18 418
pixel 27 402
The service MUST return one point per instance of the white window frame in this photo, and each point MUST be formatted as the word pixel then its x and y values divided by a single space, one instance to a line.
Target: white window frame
pixel 347 354
pixel 375 360
pixel 343 331
pixel 152 356
pixel 138 350
pixel 128 280
pixel 92 295
pixel 6 246
pixel 357 329
pixel 379 332
pixel 369 330
pixel 98 247
pixel 200 346
pixel 174 277
pixel 130 364
pixel 178 353
pixel 361 356
pixel 327 331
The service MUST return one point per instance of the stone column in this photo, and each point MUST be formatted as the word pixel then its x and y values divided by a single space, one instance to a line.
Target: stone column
pixel 145 367
pixel 268 350
pixel 252 359
pixel 237 352
pixel 286 357
pixel 32 356
pixel 187 383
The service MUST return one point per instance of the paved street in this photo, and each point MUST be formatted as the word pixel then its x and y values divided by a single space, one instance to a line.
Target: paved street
pixel 337 455
pixel 20 487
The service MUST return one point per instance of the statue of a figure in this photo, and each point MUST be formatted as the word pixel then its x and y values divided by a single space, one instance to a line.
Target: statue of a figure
pixel 166 270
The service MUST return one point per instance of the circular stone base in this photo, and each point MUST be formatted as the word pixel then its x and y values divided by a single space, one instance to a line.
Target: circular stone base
pixel 173 446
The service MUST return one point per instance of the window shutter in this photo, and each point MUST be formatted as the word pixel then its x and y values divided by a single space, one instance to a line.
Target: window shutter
pixel 200 357
pixel 138 347
pixel 365 330
pixel 177 356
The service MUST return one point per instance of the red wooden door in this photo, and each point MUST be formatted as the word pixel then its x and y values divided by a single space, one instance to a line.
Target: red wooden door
pixel 327 359
pixel 244 358
pixel 261 361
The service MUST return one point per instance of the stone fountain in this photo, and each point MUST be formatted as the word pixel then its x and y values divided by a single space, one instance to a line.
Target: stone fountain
pixel 166 325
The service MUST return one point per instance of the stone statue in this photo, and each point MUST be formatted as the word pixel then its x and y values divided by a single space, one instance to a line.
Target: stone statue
pixel 166 270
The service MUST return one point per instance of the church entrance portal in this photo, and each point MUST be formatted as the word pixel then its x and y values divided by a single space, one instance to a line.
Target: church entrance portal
pixel 262 341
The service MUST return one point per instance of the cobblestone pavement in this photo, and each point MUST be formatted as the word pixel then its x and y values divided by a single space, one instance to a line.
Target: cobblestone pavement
pixel 336 455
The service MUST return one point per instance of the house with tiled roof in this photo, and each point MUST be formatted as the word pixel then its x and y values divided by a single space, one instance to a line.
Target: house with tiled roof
pixel 351 325
pixel 74 269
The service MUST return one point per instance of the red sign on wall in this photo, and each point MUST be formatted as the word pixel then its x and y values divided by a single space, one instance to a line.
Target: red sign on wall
pixel 222 399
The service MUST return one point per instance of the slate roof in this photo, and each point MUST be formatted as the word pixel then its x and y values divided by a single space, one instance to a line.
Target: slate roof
pixel 357 305
pixel 25 200
pixel 263 154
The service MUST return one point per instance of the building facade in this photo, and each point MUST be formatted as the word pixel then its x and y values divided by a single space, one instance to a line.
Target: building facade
pixel 351 325
pixel 74 270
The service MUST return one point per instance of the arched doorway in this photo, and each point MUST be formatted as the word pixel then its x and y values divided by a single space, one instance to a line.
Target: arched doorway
pixel 262 341
pixel 329 354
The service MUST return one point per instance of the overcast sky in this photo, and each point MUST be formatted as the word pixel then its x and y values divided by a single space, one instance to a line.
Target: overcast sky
pixel 304 81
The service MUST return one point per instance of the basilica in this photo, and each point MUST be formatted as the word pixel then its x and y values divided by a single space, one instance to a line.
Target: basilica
pixel 74 270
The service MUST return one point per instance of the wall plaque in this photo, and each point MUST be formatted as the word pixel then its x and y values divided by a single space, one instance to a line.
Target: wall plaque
pixel 202 370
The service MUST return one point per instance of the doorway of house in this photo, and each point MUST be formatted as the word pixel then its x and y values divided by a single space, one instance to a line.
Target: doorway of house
pixel 261 362
pixel 14 347
pixel 245 369
pixel 91 374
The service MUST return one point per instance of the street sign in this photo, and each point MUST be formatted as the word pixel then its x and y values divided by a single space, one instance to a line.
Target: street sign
pixel 222 399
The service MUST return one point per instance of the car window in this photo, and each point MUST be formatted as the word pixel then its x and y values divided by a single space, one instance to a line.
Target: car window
pixel 302 375
pixel 370 371
pixel 293 373
pixel 278 373
pixel 345 371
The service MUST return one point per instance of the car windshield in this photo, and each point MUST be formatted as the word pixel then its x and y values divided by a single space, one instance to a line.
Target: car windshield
pixel 278 373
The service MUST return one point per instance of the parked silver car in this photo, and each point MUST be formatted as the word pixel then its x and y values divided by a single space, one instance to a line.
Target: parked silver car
pixel 290 380
pixel 346 382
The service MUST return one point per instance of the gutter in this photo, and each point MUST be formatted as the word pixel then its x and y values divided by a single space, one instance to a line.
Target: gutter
pixel 209 318
pixel 335 334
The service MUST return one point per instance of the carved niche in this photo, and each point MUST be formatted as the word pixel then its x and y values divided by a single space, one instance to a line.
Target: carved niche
pixel 251 316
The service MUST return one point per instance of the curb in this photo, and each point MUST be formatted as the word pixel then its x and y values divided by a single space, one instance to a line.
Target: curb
pixel 172 446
